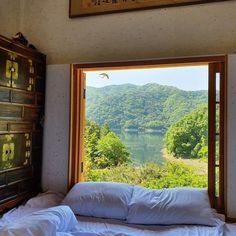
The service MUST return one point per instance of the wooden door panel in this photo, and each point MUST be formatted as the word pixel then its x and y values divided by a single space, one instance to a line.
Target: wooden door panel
pixel 5 65
pixel 15 150
pixel 21 78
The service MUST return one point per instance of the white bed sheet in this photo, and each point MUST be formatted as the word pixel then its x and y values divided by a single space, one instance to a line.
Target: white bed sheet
pixel 106 227
pixel 90 226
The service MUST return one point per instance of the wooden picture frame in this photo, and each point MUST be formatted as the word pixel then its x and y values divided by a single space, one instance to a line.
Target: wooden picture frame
pixel 94 7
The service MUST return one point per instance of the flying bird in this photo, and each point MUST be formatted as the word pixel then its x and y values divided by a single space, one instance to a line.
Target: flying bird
pixel 104 76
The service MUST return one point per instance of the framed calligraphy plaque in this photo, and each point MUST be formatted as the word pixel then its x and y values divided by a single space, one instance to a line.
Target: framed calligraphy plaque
pixel 92 7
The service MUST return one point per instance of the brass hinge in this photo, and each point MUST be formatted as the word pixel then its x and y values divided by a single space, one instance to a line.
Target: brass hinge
pixel 84 93
pixel 82 167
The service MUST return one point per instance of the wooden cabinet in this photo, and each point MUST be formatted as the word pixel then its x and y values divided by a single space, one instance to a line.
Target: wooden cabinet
pixel 22 86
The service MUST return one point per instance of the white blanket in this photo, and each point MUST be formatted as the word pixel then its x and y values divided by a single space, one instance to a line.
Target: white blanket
pixel 29 220
pixel 102 227
pixel 60 221
pixel 48 222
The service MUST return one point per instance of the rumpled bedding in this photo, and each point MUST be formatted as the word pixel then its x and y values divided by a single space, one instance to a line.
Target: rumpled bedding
pixel 60 221
pixel 106 227
pixel 52 221
pixel 31 220
pixel 40 202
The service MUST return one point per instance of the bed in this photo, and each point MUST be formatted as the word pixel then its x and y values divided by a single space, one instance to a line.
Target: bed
pixel 51 213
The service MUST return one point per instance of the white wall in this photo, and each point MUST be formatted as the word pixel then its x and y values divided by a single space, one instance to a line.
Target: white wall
pixel 178 31
pixel 10 15
pixel 56 128
pixel 231 161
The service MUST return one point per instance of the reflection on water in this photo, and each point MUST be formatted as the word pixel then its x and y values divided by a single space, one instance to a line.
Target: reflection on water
pixel 144 146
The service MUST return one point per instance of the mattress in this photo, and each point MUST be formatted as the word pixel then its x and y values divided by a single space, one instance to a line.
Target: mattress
pixel 91 226
pixel 109 227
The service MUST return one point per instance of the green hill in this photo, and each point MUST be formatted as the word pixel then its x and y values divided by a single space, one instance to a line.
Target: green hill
pixel 151 106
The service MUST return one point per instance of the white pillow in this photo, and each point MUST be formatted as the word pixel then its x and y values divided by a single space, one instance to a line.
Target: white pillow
pixel 170 206
pixel 100 199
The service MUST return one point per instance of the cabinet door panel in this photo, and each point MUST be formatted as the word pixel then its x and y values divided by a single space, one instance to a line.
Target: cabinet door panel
pixel 15 150
pixel 5 69
pixel 22 78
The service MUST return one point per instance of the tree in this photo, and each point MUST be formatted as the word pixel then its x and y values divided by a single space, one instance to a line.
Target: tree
pixel 111 151
pixel 105 129
pixel 91 137
pixel 187 137
pixel 103 148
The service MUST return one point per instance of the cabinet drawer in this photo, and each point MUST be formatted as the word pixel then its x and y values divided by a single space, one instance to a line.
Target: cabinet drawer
pixel 23 97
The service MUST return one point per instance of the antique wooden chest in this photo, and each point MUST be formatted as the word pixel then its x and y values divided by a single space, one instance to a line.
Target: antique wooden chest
pixel 22 86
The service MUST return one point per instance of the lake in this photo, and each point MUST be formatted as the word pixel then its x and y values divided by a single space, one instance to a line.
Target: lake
pixel 144 147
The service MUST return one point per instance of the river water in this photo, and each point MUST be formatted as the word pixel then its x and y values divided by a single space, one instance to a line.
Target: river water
pixel 144 147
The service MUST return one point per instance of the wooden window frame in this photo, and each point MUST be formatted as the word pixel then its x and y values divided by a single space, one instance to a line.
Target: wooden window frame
pixel 216 64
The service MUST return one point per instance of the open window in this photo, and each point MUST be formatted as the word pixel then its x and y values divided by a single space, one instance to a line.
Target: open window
pixel 216 117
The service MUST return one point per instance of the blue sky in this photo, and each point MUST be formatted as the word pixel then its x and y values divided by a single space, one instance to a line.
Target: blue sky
pixel 186 78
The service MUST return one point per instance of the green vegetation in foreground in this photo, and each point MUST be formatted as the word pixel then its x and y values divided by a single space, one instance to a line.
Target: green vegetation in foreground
pixel 187 138
pixel 150 175
pixel 107 159
pixel 103 147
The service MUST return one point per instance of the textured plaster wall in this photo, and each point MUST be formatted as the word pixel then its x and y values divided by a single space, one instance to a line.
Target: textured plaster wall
pixel 10 15
pixel 56 128
pixel 182 31
pixel 231 162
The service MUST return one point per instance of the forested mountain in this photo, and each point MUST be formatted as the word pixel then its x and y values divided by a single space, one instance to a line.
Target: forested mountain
pixel 151 106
